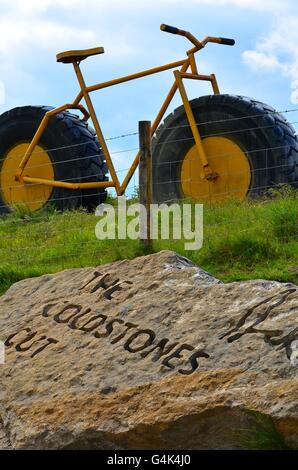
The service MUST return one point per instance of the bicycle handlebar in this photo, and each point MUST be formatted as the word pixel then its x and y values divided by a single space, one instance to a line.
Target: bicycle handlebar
pixel 227 41
pixel 171 29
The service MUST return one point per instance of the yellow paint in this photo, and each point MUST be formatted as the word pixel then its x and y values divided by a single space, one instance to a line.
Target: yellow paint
pixel 34 196
pixel 227 160
pixel 207 169
pixel 65 185
pixel 69 57
pixel 37 179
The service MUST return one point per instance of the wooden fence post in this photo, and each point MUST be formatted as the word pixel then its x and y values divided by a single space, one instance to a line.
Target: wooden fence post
pixel 145 181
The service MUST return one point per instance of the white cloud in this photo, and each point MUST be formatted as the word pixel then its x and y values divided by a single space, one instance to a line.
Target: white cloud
pixel 42 5
pixel 56 24
pixel 260 61
pixel 2 93
pixel 18 35
pixel 30 7
pixel 33 31
pixel 49 23
pixel 278 51
pixel 265 5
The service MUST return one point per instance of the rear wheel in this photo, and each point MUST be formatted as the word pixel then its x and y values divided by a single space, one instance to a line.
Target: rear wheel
pixel 248 144
pixel 68 151
pixel 15 193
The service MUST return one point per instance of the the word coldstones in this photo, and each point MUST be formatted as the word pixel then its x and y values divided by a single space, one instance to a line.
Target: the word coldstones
pixel 147 354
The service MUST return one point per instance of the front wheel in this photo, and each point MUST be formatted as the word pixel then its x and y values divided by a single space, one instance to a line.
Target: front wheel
pixel 247 143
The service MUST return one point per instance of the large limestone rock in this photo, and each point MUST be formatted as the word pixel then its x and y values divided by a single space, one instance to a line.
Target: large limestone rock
pixel 149 353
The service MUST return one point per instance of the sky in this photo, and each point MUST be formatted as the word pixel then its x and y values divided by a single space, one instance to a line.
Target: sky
pixel 263 64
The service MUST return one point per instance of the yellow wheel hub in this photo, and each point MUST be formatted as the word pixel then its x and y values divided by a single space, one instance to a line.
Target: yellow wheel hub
pixel 227 160
pixel 14 193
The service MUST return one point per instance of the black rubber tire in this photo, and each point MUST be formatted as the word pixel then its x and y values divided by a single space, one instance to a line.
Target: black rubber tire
pixel 266 137
pixel 72 147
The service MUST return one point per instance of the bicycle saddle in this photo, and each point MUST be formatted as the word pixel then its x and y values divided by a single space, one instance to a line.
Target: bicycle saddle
pixel 69 57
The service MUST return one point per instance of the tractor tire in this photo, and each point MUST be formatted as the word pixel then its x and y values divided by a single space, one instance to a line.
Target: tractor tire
pixel 249 145
pixel 67 151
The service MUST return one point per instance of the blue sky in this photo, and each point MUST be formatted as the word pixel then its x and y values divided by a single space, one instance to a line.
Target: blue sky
pixel 263 64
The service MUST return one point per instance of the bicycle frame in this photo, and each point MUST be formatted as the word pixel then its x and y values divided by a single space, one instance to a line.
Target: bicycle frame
pixel 178 85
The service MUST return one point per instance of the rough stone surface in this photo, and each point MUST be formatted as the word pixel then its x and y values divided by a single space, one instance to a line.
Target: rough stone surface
pixel 149 353
pixel 4 443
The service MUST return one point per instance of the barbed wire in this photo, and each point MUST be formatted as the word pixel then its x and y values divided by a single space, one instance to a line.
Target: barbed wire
pixel 154 163
pixel 37 253
pixel 58 261
pixel 231 173
pixel 95 242
pixel 247 152
pixel 64 147
pixel 220 134
pixel 240 118
pixel 131 134
pixel 70 160
pixel 67 232
pixel 47 216
pixel 51 163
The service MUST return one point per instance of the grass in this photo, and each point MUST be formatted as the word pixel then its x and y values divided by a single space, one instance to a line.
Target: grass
pixel 261 435
pixel 250 240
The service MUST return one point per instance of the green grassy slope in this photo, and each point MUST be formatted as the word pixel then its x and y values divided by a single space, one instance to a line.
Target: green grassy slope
pixel 250 240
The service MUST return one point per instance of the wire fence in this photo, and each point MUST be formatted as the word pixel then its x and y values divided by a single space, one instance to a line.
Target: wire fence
pixel 52 238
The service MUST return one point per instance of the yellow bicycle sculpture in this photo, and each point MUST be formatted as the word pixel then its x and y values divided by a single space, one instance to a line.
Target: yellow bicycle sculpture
pixel 210 148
